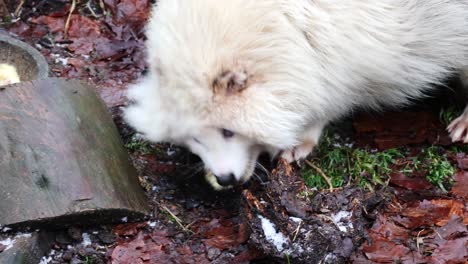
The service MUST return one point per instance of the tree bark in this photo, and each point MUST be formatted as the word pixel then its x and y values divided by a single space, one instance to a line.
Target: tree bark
pixel 62 160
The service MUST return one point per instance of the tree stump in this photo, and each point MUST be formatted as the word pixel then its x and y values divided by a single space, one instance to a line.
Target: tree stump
pixel 62 160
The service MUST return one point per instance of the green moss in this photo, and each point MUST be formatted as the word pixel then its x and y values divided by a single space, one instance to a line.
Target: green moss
pixel 347 165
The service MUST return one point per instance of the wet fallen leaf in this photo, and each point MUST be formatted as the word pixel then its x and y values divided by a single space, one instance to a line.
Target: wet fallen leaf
pixel 428 213
pixel 462 161
pixel 395 129
pixel 224 234
pixel 128 229
pixel 410 183
pixel 460 188
pixel 135 251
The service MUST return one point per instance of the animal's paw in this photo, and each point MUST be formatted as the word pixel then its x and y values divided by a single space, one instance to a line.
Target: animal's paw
pixel 458 129
pixel 298 153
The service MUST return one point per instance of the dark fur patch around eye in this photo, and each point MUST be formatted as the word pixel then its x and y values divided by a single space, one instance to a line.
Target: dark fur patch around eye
pixel 227 133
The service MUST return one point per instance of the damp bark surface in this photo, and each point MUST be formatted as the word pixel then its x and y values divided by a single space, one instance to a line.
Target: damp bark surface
pixel 61 157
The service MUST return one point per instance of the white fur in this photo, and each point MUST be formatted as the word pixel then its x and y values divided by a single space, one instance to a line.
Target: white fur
pixel 8 74
pixel 308 62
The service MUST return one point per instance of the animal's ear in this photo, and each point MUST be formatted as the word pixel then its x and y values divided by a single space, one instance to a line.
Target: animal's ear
pixel 230 82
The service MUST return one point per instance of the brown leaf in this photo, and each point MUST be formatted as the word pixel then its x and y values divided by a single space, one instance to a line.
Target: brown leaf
pixel 455 228
pixel 83 27
pixel 128 229
pixel 225 234
pixel 132 11
pixel 460 188
pixel 388 229
pixel 397 129
pixel 55 24
pixel 462 161
pixel 410 183
pixel 428 213
pixel 134 251
pixel 384 251
pixel 451 251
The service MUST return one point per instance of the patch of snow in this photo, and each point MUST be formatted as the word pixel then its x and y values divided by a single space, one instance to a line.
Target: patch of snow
pixel 330 258
pixel 296 219
pixel 152 224
pixel 271 235
pixel 86 240
pixel 8 243
pixel 124 220
pixel 95 232
pixel 343 221
pixel 63 61
pixel 45 260
pixel 6 229
pixel 26 235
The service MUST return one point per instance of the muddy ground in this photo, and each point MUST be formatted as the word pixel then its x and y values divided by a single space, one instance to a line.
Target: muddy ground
pixel 278 217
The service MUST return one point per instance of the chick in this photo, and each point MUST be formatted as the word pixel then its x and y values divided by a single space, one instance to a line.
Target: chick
pixel 8 74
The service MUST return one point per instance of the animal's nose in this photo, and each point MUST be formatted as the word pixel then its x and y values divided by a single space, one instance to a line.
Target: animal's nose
pixel 226 179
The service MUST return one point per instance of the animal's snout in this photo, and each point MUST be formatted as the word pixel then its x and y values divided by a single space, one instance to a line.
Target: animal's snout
pixel 226 179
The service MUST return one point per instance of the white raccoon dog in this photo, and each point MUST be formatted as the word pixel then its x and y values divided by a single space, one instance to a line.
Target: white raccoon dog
pixel 231 79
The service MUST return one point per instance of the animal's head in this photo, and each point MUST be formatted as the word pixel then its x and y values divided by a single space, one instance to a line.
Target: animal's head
pixel 229 157
pixel 225 79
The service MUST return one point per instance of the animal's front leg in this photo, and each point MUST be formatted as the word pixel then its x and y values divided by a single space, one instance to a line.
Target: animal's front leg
pixel 458 128
pixel 310 139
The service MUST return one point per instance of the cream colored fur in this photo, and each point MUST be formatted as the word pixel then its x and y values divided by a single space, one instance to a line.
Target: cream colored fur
pixel 305 62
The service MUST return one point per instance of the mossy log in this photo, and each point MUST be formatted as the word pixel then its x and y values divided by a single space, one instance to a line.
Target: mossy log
pixel 62 160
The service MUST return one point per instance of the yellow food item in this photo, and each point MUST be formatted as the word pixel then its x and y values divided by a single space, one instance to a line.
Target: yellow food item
pixel 8 74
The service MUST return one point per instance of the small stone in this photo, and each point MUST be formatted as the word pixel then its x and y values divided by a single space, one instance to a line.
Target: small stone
pixel 106 237
pixel 82 252
pixel 180 236
pixel 198 248
pixel 89 251
pixel 191 204
pixel 213 253
pixel 67 256
pixel 75 233
pixel 63 239
pixel 75 261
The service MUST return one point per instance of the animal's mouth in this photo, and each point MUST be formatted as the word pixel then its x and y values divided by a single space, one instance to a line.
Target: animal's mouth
pixel 248 173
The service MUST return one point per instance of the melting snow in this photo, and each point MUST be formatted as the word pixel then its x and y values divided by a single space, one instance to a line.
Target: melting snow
pixel 86 240
pixel 343 220
pixel 8 243
pixel 271 235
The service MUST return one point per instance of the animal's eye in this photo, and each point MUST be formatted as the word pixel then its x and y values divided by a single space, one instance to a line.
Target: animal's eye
pixel 227 133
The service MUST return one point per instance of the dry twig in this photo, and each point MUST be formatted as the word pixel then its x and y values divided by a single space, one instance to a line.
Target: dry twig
pixel 19 8
pixel 324 176
pixel 177 219
pixel 67 23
